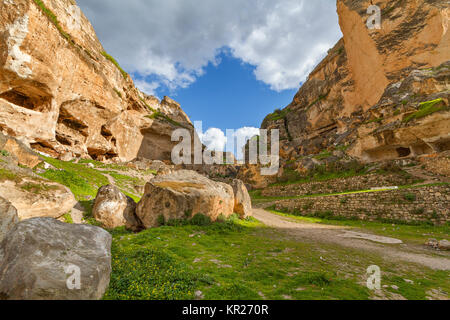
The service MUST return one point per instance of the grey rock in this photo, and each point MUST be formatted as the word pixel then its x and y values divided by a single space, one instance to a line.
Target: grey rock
pixel 40 257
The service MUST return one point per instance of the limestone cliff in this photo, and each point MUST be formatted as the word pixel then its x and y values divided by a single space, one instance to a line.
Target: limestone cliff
pixel 62 94
pixel 384 93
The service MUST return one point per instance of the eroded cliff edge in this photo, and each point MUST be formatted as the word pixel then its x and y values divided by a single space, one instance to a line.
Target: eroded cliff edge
pixel 63 95
pixel 379 94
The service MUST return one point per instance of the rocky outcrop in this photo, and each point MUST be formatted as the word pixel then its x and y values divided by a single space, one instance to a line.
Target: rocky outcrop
pixel 32 195
pixel 44 259
pixel 371 90
pixel 242 200
pixel 8 217
pixel 21 153
pixel 98 113
pixel 181 195
pixel 111 207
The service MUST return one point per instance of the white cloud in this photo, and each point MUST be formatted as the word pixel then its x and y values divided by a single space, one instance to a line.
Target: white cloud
pixel 173 40
pixel 215 139
pixel 147 87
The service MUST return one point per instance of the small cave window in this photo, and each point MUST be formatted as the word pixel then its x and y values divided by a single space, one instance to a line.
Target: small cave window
pixel 403 152
pixel 31 100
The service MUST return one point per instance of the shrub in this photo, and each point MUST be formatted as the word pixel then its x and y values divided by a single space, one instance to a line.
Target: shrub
pixel 426 109
pixel 410 197
pixel 4 153
pixel 200 220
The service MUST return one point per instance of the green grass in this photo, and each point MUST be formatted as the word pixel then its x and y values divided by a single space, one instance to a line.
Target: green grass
pixel 161 116
pixel 52 17
pixel 323 172
pixel 4 153
pixel 111 59
pixel 68 218
pixel 38 188
pixel 256 194
pixel 6 174
pixel 244 260
pixel 426 109
pixel 323 155
pixel 84 182
pixel 278 115
pixel 417 234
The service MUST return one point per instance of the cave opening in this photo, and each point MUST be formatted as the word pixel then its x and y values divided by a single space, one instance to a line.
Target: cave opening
pixel 403 152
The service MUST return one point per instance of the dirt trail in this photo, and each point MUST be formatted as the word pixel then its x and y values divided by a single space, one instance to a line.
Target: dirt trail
pixel 318 233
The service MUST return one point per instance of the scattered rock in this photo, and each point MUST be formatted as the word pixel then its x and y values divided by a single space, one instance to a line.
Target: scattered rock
pixel 433 243
pixel 42 257
pixel 8 217
pixel 113 209
pixel 199 295
pixel 242 200
pixel 444 245
pixel 182 195
pixel 394 287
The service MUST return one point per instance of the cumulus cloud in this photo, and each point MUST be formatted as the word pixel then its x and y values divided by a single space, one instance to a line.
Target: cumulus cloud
pixel 172 41
pixel 215 139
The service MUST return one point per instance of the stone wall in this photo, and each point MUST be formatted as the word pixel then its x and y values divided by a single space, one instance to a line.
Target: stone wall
pixel 425 204
pixel 356 183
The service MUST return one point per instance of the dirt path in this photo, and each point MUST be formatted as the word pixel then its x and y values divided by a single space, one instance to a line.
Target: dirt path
pixel 318 233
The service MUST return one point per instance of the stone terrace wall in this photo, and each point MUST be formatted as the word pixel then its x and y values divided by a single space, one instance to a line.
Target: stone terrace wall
pixel 365 182
pixel 426 204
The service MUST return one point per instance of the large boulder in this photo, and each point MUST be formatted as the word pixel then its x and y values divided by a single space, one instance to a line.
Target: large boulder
pixel 181 195
pixel 242 200
pixel 8 217
pixel 112 207
pixel 32 195
pixel 44 259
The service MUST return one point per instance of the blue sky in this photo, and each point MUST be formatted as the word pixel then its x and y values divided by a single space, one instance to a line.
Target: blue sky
pixel 228 96
pixel 228 63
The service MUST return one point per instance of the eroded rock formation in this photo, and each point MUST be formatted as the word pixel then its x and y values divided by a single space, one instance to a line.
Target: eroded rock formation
pixel 182 195
pixel 63 95
pixel 373 89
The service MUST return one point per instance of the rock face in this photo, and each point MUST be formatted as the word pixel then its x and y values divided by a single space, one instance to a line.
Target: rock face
pixel 242 200
pixel 41 258
pixel 32 195
pixel 24 155
pixel 372 89
pixel 111 207
pixel 182 195
pixel 98 113
pixel 8 217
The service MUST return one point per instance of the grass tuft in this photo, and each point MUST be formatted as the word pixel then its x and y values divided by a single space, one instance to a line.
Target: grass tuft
pixel 111 59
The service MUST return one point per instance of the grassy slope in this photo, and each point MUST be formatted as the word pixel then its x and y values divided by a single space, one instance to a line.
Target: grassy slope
pixel 245 260
pixel 236 259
